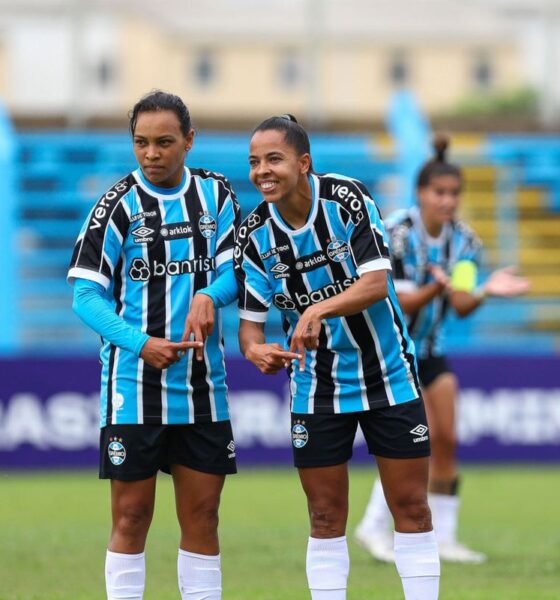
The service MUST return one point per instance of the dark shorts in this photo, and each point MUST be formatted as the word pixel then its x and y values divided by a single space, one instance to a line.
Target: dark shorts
pixel 323 440
pixel 134 452
pixel 430 368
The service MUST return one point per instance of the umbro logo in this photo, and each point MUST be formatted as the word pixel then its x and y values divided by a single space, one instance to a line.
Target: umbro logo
pixel 280 271
pixel 143 235
pixel 420 432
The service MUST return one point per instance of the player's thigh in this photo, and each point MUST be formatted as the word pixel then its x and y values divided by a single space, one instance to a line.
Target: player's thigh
pixel 440 397
pixel 326 486
pixel 197 495
pixel 132 502
pixel 403 478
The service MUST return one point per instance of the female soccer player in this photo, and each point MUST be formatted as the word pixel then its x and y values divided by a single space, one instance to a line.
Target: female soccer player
pixel 155 239
pixel 315 247
pixel 435 261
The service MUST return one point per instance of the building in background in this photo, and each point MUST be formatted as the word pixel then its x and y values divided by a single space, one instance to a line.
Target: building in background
pixel 335 62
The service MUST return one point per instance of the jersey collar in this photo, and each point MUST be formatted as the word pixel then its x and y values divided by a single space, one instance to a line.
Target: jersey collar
pixel 161 192
pixel 314 182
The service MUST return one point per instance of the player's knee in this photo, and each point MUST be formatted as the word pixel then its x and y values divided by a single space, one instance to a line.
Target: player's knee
pixel 134 521
pixel 411 512
pixel 328 519
pixel 204 515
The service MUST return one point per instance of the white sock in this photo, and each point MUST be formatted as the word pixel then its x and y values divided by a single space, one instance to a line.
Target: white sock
pixel 125 575
pixel 417 560
pixel 377 517
pixel 327 565
pixel 200 576
pixel 445 514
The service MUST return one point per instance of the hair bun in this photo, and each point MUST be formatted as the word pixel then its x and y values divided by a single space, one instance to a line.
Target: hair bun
pixel 440 144
pixel 289 117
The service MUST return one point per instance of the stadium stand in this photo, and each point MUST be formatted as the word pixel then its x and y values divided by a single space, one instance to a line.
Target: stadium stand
pixel 59 175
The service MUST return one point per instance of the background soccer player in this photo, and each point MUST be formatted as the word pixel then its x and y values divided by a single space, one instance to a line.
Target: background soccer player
pixel 159 236
pixel 435 262
pixel 315 248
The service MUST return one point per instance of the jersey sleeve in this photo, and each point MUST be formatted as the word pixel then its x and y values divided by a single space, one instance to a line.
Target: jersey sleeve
pixel 367 236
pixel 229 217
pixel 255 291
pixel 401 258
pixel 100 241
pixel 92 306
pixel 471 246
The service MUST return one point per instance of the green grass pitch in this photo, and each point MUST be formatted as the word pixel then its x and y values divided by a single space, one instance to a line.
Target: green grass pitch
pixel 54 528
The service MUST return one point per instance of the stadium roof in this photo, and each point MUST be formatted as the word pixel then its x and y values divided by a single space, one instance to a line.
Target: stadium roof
pixel 292 20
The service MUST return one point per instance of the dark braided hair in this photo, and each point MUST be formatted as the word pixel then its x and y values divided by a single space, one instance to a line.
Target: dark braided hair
pixel 438 165
pixel 157 101
pixel 294 134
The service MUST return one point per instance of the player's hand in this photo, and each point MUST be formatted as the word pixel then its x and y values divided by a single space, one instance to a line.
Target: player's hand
pixel 270 358
pixel 306 334
pixel 161 353
pixel 505 283
pixel 200 321
pixel 440 276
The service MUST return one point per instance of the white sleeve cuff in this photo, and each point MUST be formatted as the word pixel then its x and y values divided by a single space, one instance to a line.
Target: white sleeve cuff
pixel 405 286
pixel 224 257
pixel 379 264
pixel 251 315
pixel 89 274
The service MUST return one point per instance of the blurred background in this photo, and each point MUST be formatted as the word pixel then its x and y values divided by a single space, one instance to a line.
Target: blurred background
pixel 371 80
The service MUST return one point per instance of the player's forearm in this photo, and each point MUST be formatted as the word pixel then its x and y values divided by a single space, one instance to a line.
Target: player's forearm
pixel 369 289
pixel 223 290
pixel 464 303
pixel 94 310
pixel 250 333
pixel 412 302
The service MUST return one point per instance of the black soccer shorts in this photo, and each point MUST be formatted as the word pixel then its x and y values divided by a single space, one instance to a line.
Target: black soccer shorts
pixel 431 367
pixel 134 452
pixel 322 440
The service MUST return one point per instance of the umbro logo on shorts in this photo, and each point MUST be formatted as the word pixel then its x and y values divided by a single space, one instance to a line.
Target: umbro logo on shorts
pixel 231 448
pixel 420 432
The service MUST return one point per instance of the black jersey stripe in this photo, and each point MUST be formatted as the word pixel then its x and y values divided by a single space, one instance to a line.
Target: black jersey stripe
pixel 199 370
pixel 405 346
pixel 357 325
pixel 156 292
pixel 110 378
pixel 89 252
pixel 323 396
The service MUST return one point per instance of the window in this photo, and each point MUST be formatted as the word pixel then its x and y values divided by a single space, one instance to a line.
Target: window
pixel 204 68
pixel 290 71
pixel 104 73
pixel 399 69
pixel 483 72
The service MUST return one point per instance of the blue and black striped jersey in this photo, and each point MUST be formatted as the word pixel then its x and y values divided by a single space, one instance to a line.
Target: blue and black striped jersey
pixel 152 249
pixel 412 251
pixel 363 361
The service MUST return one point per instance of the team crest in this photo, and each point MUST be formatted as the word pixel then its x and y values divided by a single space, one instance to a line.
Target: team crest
pixel 207 226
pixel 116 451
pixel 300 435
pixel 338 251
